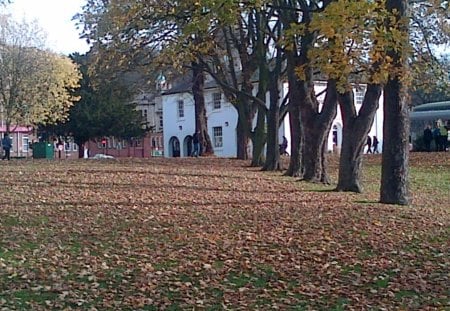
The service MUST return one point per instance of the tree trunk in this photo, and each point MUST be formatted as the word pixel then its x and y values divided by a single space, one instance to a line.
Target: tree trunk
pixel 312 151
pixel 242 137
pixel 394 165
pixel 81 150
pixel 201 122
pixel 316 127
pixel 246 114
pixel 272 151
pixel 259 138
pixel 356 127
pixel 295 167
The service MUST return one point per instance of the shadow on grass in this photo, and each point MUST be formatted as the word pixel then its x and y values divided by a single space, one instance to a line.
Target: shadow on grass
pixel 321 190
pixel 367 202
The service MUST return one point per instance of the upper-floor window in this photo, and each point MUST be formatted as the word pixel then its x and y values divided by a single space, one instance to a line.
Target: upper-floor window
pixel 145 114
pixel 217 100
pixel 217 137
pixel 180 109
pixel 359 96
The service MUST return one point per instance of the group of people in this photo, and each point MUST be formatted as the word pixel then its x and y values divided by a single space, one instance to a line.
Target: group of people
pixel 372 144
pixel 438 134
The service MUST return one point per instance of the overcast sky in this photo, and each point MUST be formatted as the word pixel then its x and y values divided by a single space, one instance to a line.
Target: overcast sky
pixel 55 17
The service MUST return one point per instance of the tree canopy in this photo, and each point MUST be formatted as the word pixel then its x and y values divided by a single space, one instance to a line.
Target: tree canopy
pixel 103 111
pixel 35 84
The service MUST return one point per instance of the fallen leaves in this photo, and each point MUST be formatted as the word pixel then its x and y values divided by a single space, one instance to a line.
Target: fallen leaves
pixel 214 234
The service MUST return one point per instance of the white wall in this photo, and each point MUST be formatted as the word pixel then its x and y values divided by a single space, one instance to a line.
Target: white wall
pixel 376 129
pixel 226 117
pixel 175 126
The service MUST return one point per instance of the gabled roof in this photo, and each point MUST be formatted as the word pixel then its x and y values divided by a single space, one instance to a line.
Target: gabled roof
pixel 183 84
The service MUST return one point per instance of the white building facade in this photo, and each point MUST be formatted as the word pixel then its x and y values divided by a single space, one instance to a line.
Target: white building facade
pixel 179 121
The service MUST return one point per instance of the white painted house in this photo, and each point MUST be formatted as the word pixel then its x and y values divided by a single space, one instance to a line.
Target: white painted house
pixel 179 120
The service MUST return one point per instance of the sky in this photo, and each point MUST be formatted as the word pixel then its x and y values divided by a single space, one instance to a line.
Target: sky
pixel 55 18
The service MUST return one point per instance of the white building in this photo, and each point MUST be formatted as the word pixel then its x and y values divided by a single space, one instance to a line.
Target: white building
pixel 179 120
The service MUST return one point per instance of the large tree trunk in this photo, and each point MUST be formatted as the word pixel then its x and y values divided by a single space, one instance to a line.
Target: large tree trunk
pixel 81 150
pixel 201 122
pixel 356 127
pixel 242 139
pixel 246 113
pixel 295 167
pixel 316 127
pixel 394 166
pixel 272 150
pixel 259 139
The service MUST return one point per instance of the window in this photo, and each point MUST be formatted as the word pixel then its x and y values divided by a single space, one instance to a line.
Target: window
pixel 180 109
pixel 217 137
pixel 217 99
pixel 145 114
pixel 121 144
pixel 69 146
pixel 25 143
pixel 161 122
pixel 156 142
pixel 359 96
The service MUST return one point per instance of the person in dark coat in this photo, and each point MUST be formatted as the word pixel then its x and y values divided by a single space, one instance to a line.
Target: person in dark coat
pixel 283 146
pixel 369 144
pixel 196 143
pixel 7 145
pixel 427 138
pixel 375 144
pixel 436 136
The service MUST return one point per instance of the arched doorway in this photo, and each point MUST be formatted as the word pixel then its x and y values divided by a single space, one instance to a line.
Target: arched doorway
pixel 174 147
pixel 187 146
pixel 337 134
pixel 337 137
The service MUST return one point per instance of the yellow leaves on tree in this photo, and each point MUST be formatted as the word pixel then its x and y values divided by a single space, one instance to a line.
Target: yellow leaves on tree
pixel 36 83
pixel 53 99
pixel 354 37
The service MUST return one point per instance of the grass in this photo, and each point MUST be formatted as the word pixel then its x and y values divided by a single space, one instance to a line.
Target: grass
pixel 215 234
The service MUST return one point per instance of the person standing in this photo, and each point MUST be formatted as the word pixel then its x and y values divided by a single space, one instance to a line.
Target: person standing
pixel 443 136
pixel 196 143
pixel 436 136
pixel 7 145
pixel 369 144
pixel 427 138
pixel 375 144
pixel 283 146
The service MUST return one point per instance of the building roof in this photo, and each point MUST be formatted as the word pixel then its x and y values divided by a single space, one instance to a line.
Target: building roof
pixel 16 129
pixel 445 105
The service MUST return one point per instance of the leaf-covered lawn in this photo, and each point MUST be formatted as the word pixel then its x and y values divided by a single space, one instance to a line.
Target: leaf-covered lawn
pixel 215 234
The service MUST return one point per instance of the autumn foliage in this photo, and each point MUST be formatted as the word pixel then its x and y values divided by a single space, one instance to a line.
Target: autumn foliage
pixel 215 234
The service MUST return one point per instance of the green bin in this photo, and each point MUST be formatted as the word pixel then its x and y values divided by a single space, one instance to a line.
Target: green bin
pixel 43 150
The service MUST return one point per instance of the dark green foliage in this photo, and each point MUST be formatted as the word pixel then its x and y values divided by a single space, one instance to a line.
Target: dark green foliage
pixel 105 111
